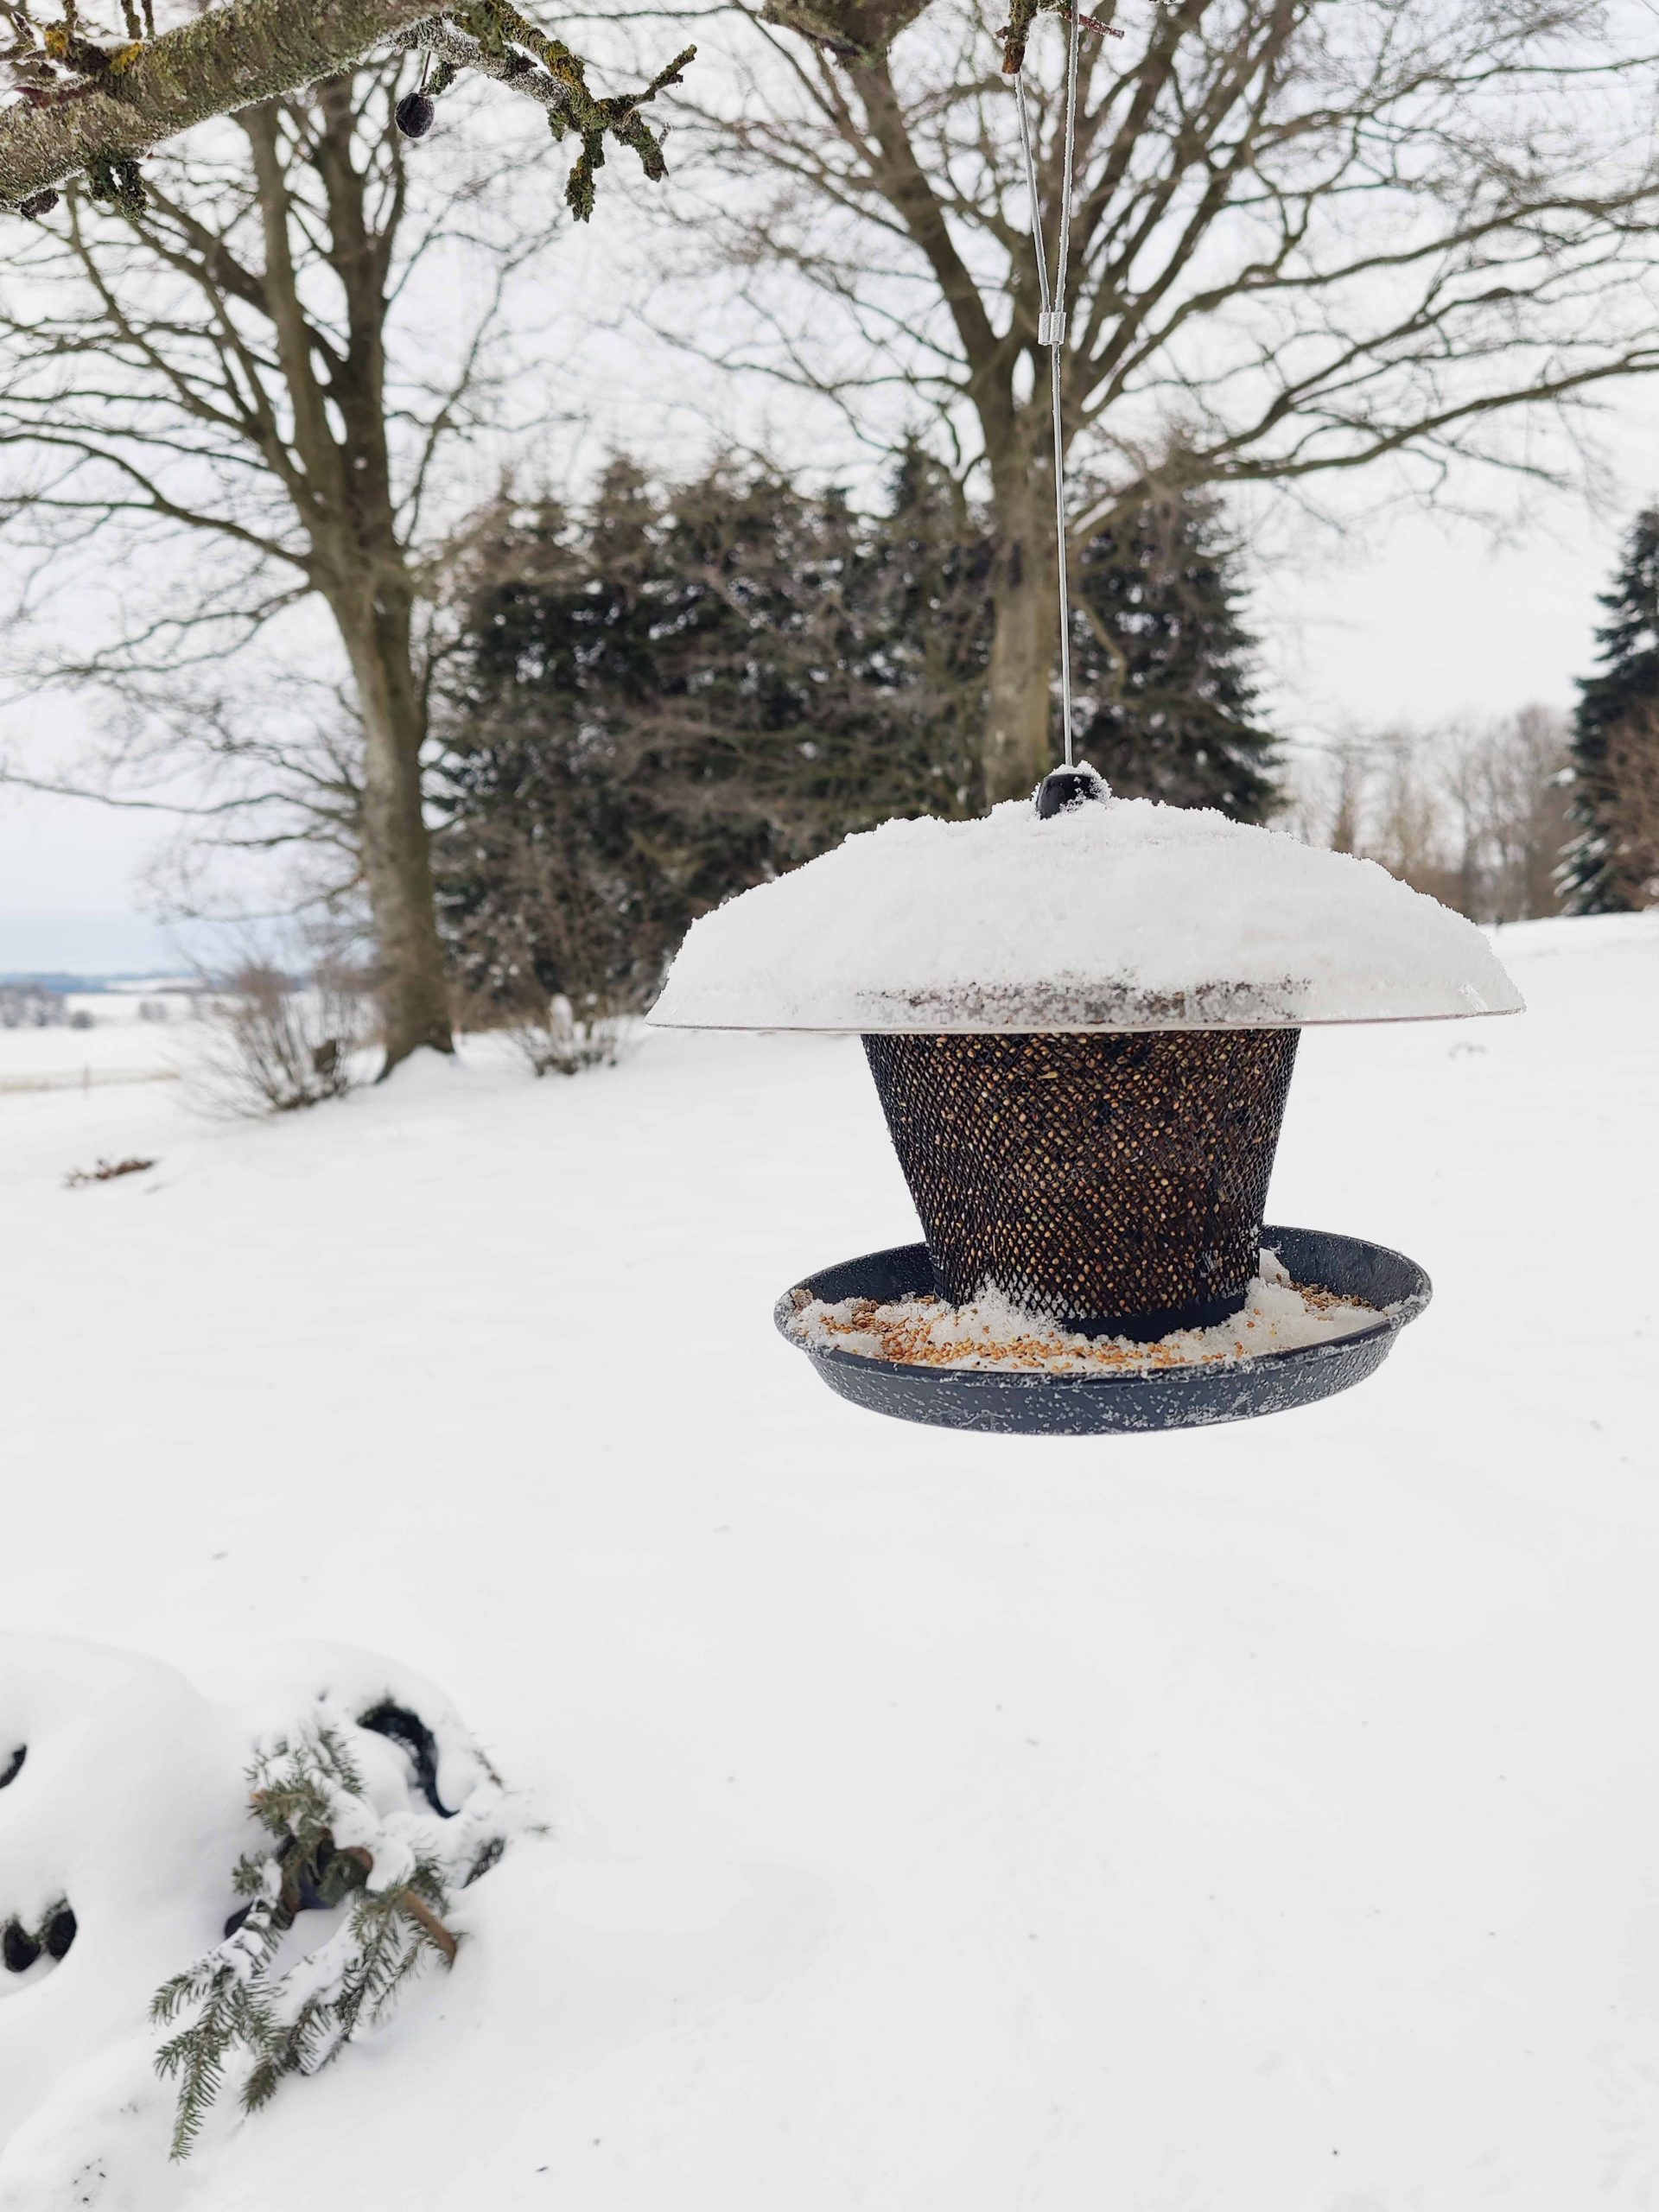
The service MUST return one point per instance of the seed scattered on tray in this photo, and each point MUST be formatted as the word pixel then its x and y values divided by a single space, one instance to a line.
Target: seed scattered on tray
pixel 1278 1315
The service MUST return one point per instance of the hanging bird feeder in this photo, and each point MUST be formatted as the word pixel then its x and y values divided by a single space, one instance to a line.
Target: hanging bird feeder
pixel 1082 1025
pixel 1082 1015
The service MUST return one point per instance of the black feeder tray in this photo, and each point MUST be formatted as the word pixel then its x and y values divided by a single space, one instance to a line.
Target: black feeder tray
pixel 1011 1402
pixel 1101 1156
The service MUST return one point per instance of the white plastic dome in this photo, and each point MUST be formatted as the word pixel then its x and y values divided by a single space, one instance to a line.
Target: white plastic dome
pixel 1120 915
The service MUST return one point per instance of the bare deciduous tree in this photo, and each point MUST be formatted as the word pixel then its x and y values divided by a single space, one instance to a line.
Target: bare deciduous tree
pixel 1476 817
pixel 241 398
pixel 1522 813
pixel 1309 234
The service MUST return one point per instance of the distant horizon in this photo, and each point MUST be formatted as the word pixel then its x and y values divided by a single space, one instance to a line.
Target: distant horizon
pixel 112 944
pixel 92 978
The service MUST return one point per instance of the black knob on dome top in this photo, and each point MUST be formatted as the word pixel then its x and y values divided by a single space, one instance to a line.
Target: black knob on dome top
pixel 1068 788
pixel 413 115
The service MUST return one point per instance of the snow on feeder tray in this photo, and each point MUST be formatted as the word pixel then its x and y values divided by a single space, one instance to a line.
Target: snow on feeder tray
pixel 1082 1017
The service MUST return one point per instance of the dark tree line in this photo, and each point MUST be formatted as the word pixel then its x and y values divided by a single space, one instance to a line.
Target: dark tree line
pixel 1612 863
pixel 673 694
pixel 666 697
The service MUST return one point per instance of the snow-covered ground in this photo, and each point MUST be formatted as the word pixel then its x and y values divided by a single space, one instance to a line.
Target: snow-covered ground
pixel 144 1035
pixel 1263 1819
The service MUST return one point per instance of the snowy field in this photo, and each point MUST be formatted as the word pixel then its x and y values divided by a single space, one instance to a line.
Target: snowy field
pixel 120 1045
pixel 1264 1819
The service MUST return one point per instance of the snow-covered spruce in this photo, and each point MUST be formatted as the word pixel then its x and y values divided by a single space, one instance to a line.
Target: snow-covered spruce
pixel 1128 915
pixel 134 1812
pixel 330 1844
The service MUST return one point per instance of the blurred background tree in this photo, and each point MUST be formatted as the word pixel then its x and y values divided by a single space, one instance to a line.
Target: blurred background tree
pixel 678 692
pixel 1163 666
pixel 1475 816
pixel 235 408
pixel 1612 862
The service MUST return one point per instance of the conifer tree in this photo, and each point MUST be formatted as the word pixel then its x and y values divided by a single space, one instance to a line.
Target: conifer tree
pixel 672 696
pixel 1617 710
pixel 675 694
pixel 1161 663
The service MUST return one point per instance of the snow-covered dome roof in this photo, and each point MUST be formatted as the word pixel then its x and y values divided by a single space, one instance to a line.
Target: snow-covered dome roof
pixel 1120 915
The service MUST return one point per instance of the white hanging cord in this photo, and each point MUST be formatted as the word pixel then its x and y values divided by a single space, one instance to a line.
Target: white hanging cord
pixel 1051 328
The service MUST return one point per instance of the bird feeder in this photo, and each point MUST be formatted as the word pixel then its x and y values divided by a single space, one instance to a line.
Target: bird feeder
pixel 1082 1016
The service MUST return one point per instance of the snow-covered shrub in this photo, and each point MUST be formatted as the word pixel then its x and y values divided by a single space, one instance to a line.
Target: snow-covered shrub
pixel 336 1812
pixel 269 1045
pixel 561 1041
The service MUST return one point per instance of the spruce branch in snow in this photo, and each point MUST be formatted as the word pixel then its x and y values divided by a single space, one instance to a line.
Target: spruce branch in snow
pixel 330 1844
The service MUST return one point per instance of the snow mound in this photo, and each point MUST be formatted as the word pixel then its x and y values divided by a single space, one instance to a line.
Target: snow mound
pixel 124 1809
pixel 1124 915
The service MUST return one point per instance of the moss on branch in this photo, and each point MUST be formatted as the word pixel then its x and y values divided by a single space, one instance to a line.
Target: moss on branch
pixel 122 102
pixel 227 58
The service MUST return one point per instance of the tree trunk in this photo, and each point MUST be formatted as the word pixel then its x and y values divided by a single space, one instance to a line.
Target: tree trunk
pixel 1022 744
pixel 351 518
pixel 395 849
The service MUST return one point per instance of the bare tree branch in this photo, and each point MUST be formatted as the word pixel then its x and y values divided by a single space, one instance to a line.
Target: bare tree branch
pixel 226 59
pixel 238 367
pixel 112 106
pixel 1309 236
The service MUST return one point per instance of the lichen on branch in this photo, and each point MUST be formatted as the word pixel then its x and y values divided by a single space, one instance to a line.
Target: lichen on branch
pixel 84 107
pixel 500 30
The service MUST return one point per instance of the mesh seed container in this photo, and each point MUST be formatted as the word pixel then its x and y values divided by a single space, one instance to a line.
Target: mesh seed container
pixel 1118 1182
pixel 1082 1026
